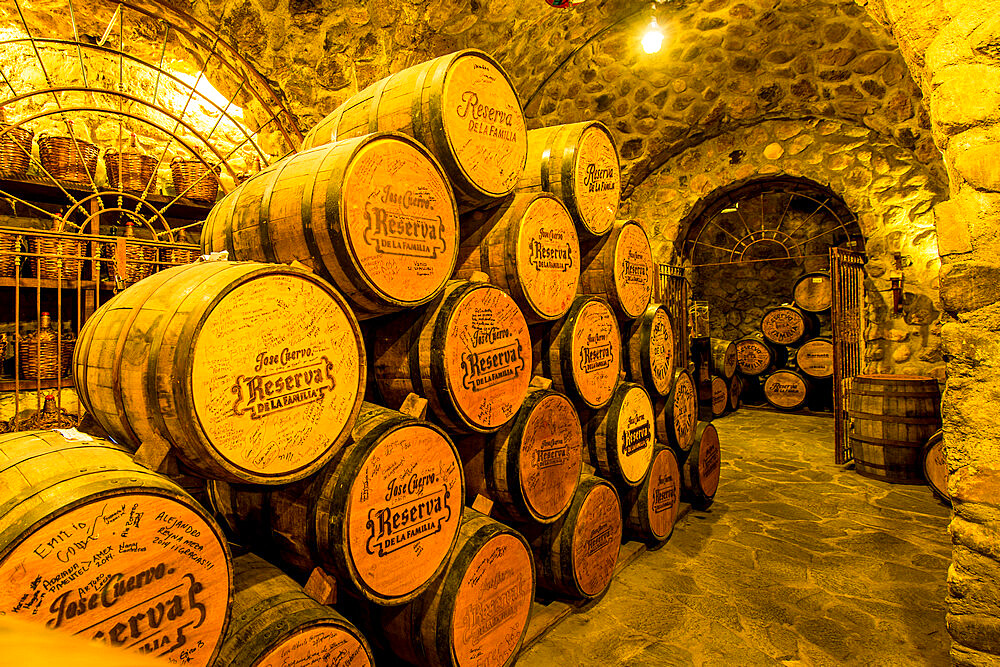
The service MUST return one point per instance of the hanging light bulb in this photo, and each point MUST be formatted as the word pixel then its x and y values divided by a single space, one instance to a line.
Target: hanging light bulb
pixel 653 39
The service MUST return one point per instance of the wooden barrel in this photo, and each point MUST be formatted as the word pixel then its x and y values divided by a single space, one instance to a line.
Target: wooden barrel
pixel 253 373
pixel 382 516
pixel 577 162
pixel 735 393
pixel 620 436
pixel 374 215
pixel 576 556
pixel 468 354
pixel 891 417
pixel 530 468
pixel 650 511
pixel 619 267
pixel 528 247
pixel 755 356
pixel 700 473
pixel 477 613
pixel 720 395
pixel 275 624
pixel 582 353
pixel 785 325
pixel 815 358
pixel 462 106
pixel 649 351
pixel 677 415
pixel 724 358
pixel 787 390
pixel 27 644
pixel 813 292
pixel 935 466
pixel 95 545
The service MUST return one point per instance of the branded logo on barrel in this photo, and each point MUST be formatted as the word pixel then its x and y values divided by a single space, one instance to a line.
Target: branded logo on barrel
pixel 486 119
pixel 637 434
pixel 600 537
pixel 503 593
pixel 664 494
pixel 599 179
pixel 285 379
pixel 635 268
pixel 552 452
pixel 550 250
pixel 404 223
pixel 597 352
pixel 415 510
pixel 502 358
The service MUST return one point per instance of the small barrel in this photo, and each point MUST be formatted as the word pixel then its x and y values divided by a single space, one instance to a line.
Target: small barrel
pixel 785 325
pixel 787 390
pixel 620 436
pixel 815 358
pixel 253 373
pixel 649 351
pixel 577 162
pixel 650 511
pixel 477 613
pixel 619 266
pixel 87 535
pixel 528 246
pixel 382 517
pixel 813 292
pixel 374 215
pixel 462 106
pixel 468 354
pixel 677 415
pixel 275 624
pixel 530 468
pixel 700 473
pixel 720 395
pixel 755 356
pixel 724 359
pixel 582 353
pixel 735 393
pixel 935 466
pixel 891 417
pixel 576 556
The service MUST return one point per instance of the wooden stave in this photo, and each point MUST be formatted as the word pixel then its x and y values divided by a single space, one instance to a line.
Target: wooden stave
pixel 321 244
pixel 720 396
pixel 601 438
pixel 663 412
pixel 362 114
pixel 941 491
pixel 151 420
pixel 491 247
pixel 599 269
pixel 637 359
pixel 806 384
pixel 724 361
pixel 412 631
pixel 555 150
pixel 98 474
pixel 808 325
pixel 635 502
pixel 812 307
pixel 266 620
pixel 691 483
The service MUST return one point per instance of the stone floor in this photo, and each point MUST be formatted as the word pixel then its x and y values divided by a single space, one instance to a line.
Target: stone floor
pixel 798 562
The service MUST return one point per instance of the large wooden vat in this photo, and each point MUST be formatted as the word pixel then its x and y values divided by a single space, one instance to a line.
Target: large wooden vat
pixel 530 468
pixel 577 162
pixel 891 417
pixel 382 516
pixel 462 106
pixel 619 267
pixel 620 436
pixel 95 545
pixel 582 353
pixel 468 354
pixel 700 473
pixel 528 246
pixel 651 509
pixel 576 556
pixel 275 624
pixel 374 215
pixel 649 351
pixel 476 614
pixel 677 415
pixel 253 373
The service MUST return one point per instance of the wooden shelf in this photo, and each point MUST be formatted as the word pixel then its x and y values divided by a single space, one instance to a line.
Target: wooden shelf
pixel 48 284
pixel 7 384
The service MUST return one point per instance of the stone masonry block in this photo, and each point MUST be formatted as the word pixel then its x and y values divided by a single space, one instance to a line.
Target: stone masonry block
pixel 951 219
pixel 968 286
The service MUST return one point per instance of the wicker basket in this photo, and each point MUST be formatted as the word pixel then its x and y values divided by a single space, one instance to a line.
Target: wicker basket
pixel 10 245
pixel 61 158
pixel 39 355
pixel 64 257
pixel 15 151
pixel 193 174
pixel 176 256
pixel 140 261
pixel 137 171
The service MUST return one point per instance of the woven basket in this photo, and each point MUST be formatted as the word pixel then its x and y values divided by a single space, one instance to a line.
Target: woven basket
pixel 10 245
pixel 137 171
pixel 140 261
pixel 61 158
pixel 188 172
pixel 15 151
pixel 65 257
pixel 39 355
pixel 175 256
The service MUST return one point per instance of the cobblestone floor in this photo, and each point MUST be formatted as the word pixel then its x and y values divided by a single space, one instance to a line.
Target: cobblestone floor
pixel 798 562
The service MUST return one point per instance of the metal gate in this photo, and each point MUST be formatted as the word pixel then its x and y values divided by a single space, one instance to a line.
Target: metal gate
pixel 847 317
pixel 671 290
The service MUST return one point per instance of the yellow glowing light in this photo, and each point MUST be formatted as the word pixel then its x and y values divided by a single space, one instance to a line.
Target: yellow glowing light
pixel 203 87
pixel 653 39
